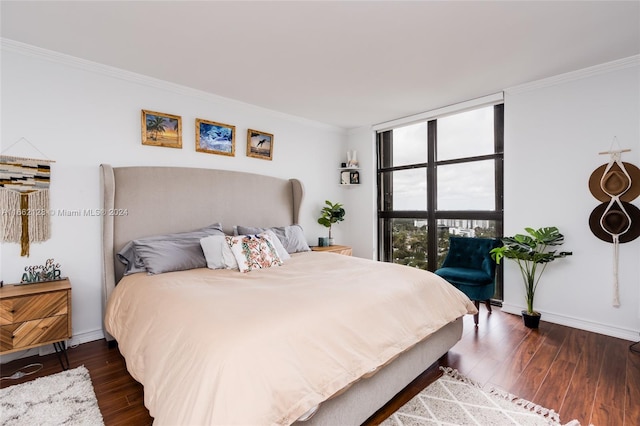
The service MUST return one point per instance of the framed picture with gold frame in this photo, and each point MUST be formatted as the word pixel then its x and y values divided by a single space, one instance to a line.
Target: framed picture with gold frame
pixel 259 144
pixel 215 138
pixel 160 129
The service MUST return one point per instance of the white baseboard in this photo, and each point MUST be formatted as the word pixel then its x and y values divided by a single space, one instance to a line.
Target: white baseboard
pixel 606 329
pixel 76 340
pixel 85 337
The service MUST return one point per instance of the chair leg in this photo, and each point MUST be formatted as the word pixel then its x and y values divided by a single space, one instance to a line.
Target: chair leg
pixel 475 317
pixel 487 303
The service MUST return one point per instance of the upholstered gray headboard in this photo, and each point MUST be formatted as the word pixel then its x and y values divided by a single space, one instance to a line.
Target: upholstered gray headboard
pixel 144 201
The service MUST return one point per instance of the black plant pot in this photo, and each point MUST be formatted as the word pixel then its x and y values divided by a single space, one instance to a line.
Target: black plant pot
pixel 530 321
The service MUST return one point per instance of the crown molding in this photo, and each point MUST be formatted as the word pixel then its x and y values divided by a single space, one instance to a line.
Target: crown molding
pixel 8 45
pixel 620 64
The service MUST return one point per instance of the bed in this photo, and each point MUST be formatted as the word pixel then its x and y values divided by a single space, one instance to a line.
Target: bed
pixel 321 339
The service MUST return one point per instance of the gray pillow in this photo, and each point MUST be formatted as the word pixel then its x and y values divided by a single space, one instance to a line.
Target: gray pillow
pixel 170 255
pixel 132 263
pixel 291 237
pixel 162 253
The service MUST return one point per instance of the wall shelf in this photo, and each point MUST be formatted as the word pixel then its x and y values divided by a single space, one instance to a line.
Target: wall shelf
pixel 349 176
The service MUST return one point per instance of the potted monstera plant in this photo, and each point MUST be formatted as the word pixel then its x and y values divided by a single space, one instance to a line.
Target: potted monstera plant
pixel 331 213
pixel 532 253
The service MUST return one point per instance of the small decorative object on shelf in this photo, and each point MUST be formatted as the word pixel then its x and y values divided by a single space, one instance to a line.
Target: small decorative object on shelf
pixel 40 273
pixel 345 178
pixel 352 159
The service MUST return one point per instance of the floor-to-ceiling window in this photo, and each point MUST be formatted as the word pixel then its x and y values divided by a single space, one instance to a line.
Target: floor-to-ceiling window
pixel 437 178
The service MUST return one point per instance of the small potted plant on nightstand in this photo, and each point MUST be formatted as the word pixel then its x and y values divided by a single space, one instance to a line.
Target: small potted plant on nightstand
pixel 330 214
pixel 531 254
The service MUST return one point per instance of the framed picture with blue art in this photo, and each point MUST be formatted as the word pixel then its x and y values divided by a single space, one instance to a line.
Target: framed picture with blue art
pixel 259 144
pixel 215 138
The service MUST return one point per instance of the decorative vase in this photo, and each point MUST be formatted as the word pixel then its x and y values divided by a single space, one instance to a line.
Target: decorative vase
pixel 352 159
pixel 331 241
pixel 531 321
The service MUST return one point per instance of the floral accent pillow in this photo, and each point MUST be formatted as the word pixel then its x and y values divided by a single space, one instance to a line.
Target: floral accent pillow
pixel 254 251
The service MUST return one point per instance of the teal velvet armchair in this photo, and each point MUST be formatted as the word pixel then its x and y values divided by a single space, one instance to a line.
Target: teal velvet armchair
pixel 469 267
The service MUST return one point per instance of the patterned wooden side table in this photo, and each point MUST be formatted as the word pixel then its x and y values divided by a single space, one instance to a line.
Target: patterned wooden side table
pixel 34 315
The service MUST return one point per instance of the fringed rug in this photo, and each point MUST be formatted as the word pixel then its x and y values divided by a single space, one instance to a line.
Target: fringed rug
pixel 65 398
pixel 456 400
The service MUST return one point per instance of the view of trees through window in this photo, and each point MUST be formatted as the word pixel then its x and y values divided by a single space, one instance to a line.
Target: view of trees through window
pixel 410 238
pixel 439 178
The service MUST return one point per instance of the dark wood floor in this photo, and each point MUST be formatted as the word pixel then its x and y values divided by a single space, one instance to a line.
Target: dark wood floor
pixel 582 375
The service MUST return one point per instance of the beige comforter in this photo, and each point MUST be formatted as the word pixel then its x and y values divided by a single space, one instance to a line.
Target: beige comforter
pixel 262 348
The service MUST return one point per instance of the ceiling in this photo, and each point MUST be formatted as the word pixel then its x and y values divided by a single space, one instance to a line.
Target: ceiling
pixel 344 63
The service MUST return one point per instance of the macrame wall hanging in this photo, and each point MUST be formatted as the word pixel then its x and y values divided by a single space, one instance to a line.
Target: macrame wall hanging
pixel 24 200
pixel 616 220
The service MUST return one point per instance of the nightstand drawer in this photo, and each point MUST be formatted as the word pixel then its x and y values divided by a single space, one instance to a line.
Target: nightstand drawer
pixel 35 332
pixel 26 308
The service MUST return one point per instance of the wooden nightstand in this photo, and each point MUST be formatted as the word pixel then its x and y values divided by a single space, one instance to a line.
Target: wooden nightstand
pixel 34 315
pixel 344 250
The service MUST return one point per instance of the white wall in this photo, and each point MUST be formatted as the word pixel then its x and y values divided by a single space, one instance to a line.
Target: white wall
pixel 82 114
pixel 554 130
pixel 361 201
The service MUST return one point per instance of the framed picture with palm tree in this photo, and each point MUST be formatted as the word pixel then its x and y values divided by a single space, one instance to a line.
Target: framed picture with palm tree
pixel 259 144
pixel 160 129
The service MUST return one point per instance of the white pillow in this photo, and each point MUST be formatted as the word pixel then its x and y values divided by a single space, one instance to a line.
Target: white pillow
pixel 254 251
pixel 282 252
pixel 218 253
pixel 292 236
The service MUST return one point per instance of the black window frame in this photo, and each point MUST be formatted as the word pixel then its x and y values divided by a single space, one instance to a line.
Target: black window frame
pixel 384 141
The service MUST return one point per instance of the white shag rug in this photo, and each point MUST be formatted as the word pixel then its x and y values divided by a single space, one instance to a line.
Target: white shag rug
pixel 456 400
pixel 65 398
